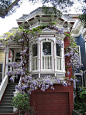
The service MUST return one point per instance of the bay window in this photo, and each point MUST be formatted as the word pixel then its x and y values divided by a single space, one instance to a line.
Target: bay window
pixel 47 56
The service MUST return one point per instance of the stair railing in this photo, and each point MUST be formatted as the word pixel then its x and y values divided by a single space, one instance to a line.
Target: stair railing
pixel 3 86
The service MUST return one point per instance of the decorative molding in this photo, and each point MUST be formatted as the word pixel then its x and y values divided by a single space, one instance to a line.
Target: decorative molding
pixel 47 35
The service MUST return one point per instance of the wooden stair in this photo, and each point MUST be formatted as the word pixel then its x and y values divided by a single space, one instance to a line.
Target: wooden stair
pixel 5 107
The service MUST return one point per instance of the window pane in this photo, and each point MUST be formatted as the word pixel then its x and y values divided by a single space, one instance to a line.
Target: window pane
pixel 58 50
pixel 47 48
pixel 34 50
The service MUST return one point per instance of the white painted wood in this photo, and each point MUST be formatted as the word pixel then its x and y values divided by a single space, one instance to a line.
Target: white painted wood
pixel 34 63
pixel 7 58
pixel 47 62
pixel 3 86
pixel 55 57
pixel 39 58
pixel 63 58
pixel 2 72
pixel 30 64
pixel 58 60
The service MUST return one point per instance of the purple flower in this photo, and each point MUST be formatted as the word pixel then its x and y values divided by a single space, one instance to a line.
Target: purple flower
pixel 64 84
pixel 68 73
pixel 29 91
pixel 52 87
pixel 71 79
pixel 23 92
pixel 69 83
pixel 47 86
pixel 67 54
pixel 58 80
pixel 51 83
pixel 62 31
pixel 24 87
pixel 12 79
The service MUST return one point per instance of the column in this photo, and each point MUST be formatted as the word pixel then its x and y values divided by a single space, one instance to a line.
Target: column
pixel 7 58
pixel 55 63
pixel 39 58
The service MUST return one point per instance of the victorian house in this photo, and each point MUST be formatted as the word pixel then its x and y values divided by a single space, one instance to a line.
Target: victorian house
pixel 47 58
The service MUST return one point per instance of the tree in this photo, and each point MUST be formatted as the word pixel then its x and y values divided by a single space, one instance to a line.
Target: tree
pixel 83 16
pixel 7 6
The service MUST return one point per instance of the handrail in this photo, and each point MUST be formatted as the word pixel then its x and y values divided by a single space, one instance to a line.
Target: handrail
pixel 3 86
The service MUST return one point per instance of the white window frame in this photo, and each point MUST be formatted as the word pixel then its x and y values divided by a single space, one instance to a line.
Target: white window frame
pixel 47 55
pixel 34 57
pixel 40 55
pixel 2 70
pixel 61 60
pixel 78 46
pixel 62 70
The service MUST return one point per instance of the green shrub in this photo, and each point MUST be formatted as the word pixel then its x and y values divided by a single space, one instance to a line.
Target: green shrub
pixel 80 102
pixel 22 103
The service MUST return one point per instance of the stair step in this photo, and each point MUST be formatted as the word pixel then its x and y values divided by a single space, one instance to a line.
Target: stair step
pixel 6 108
pixel 9 92
pixel 11 113
pixel 12 84
pixel 5 104
pixel 8 101
pixel 7 113
pixel 8 95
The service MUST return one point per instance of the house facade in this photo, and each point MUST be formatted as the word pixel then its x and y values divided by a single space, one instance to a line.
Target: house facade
pixel 46 57
pixel 79 34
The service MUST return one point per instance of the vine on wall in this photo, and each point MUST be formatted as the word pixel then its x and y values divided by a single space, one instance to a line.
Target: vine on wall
pixel 27 82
